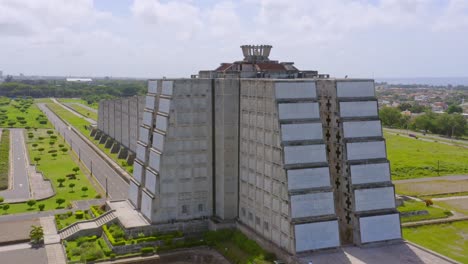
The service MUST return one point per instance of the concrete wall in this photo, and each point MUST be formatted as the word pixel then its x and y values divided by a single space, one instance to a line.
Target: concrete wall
pixel 226 120
pixel 121 118
pixel 180 151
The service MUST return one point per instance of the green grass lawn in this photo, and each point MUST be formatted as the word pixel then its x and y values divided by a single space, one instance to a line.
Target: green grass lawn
pixel 79 101
pixel 54 168
pixel 80 124
pixel 23 113
pixel 74 120
pixel 412 158
pixel 447 239
pixel 434 212
pixel 85 112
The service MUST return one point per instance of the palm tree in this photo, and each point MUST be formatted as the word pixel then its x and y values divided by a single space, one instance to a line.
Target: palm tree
pixel 36 234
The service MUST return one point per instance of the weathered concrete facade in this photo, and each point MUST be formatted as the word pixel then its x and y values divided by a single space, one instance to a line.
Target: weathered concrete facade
pixel 118 123
pixel 300 162
pixel 283 157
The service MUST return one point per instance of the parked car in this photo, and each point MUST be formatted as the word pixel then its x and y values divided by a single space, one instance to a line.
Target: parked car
pixel 413 135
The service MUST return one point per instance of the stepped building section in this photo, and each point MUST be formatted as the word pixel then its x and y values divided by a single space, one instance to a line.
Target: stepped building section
pixel 294 158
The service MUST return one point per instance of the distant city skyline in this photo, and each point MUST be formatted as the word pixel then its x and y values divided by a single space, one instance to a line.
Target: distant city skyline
pixel 150 38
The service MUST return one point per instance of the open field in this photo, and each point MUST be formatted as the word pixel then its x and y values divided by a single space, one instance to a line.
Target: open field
pixel 412 158
pixel 79 101
pixel 83 111
pixel 411 205
pixel 22 113
pixel 435 188
pixel 54 168
pixel 457 204
pixel 450 240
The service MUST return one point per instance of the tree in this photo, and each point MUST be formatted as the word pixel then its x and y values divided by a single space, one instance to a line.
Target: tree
pixel 454 109
pixel 54 155
pixel 6 207
pixel 425 122
pixel 1 199
pixel 64 150
pixel 41 150
pixel 76 169
pixel 59 201
pixel 84 189
pixel 31 203
pixel 36 234
pixel 34 145
pixel 50 132
pixel 41 207
pixel 37 159
pixel 60 181
pixel 71 185
pixel 51 143
pixel 390 116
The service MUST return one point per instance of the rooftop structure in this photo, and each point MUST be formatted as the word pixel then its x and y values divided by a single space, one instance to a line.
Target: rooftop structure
pixel 257 64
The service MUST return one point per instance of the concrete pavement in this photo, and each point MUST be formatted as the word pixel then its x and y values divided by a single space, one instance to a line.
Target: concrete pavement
pixel 435 178
pixel 116 186
pixel 54 249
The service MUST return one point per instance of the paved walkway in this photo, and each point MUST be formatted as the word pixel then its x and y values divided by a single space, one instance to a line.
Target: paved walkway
pixel 450 198
pixel 401 253
pixel 26 182
pixel 54 249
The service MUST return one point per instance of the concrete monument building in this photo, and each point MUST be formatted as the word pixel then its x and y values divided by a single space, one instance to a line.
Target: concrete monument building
pixel 291 157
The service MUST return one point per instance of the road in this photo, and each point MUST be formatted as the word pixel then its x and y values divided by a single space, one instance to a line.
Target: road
pixel 429 137
pixel 116 186
pixel 18 168
pixel 438 178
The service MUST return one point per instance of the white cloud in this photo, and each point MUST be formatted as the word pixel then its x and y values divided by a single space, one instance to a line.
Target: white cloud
pixel 179 37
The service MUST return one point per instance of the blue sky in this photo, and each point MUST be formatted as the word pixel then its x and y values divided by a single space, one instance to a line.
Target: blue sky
pixel 154 38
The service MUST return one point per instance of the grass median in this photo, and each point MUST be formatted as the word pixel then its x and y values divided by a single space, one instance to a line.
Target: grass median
pixel 83 111
pixel 4 158
pixel 79 101
pixel 413 158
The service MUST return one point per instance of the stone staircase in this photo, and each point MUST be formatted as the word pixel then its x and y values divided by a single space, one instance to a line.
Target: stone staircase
pixel 87 226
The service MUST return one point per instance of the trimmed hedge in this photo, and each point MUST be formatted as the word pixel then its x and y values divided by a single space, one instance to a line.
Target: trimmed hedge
pixel 111 237
pixel 4 158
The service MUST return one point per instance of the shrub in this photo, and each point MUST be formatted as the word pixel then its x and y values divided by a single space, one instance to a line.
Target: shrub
pixel 429 202
pixel 41 207
pixel 79 214
pixel 147 250
pixel 61 145
pixel 40 138
pixel 98 196
pixel 43 122
pixel 52 151
pixel 112 255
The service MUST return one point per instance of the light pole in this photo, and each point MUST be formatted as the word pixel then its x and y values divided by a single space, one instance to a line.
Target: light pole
pixel 107 194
